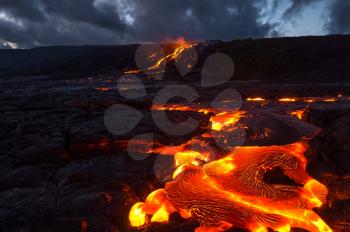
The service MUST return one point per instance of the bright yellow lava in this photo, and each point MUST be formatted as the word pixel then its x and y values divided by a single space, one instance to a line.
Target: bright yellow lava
pixel 137 216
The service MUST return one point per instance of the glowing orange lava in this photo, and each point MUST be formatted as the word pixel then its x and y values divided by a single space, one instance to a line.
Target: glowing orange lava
pixel 287 99
pixel 103 89
pixel 230 190
pixel 225 119
pixel 181 46
pixel 330 100
pixel 256 99
pixel 300 113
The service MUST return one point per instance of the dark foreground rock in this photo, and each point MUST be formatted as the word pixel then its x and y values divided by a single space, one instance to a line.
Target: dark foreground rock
pixel 61 170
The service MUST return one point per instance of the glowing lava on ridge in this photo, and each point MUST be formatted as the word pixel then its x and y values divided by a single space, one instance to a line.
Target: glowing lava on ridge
pixel 181 45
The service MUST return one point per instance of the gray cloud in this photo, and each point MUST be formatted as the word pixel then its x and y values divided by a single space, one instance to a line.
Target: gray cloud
pixel 85 11
pixel 339 17
pixel 49 22
pixel 296 7
pixel 29 10
pixel 205 19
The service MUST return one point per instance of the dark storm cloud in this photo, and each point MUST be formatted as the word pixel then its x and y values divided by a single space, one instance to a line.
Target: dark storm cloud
pixel 296 7
pixel 339 19
pixel 30 10
pixel 205 19
pixel 48 22
pixel 85 11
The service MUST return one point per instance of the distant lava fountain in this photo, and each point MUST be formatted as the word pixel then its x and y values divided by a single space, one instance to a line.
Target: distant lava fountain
pixel 230 189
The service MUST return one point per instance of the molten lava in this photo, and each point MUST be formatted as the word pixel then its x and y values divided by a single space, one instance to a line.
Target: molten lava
pixel 300 113
pixel 181 46
pixel 226 190
pixel 287 99
pixel 225 119
pixel 256 99
pixel 231 192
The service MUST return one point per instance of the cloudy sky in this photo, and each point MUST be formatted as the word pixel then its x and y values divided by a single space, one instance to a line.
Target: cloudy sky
pixel 31 23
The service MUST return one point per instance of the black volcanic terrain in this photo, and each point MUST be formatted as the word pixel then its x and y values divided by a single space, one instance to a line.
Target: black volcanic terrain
pixel 323 58
pixel 61 170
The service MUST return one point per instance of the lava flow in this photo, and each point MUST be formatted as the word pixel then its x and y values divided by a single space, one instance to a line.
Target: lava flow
pixel 294 99
pixel 300 113
pixel 225 190
pixel 181 46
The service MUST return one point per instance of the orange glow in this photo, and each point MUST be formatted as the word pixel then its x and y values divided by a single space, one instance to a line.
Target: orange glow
pixel 322 99
pixel 339 97
pixel 230 190
pixel 256 99
pixel 219 183
pixel 259 229
pixel 225 119
pixel 318 190
pixel 84 225
pixel 173 108
pixel 218 121
pixel 330 100
pixel 134 71
pixel 309 100
pixel 156 204
pixel 161 215
pixel 189 157
pixel 181 41
pixel 179 170
pixel 285 228
pixel 137 216
pixel 181 46
pixel 103 89
pixel 287 100
pixel 298 113
pixel 220 167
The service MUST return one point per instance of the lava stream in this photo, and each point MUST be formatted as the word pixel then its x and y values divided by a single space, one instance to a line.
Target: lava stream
pixel 222 191
pixel 181 44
